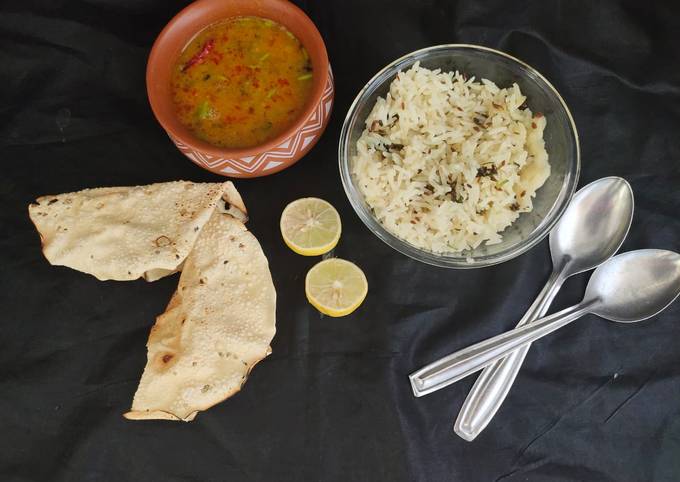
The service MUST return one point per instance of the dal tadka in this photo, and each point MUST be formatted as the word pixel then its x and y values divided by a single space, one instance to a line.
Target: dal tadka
pixel 241 82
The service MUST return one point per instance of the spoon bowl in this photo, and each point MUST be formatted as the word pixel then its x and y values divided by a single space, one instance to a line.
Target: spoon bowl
pixel 593 227
pixel 634 286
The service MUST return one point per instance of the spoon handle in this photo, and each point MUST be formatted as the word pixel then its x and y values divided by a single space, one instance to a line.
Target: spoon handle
pixel 495 381
pixel 462 363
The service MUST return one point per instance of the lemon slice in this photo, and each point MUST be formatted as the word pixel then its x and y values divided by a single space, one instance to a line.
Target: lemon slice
pixel 310 226
pixel 336 287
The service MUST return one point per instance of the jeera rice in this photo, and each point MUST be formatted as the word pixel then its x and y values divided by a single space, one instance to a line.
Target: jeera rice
pixel 447 162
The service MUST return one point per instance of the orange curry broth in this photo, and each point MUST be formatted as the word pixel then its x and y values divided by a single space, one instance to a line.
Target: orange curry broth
pixel 241 82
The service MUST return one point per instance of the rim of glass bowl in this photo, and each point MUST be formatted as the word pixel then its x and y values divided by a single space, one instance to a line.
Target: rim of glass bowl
pixel 449 260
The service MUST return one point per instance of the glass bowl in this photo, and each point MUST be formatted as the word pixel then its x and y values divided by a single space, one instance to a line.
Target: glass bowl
pixel 561 140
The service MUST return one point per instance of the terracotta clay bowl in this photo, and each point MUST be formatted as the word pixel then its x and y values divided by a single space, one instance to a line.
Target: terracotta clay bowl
pixel 279 152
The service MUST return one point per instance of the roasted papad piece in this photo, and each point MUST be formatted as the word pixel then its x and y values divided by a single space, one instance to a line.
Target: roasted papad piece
pixel 124 233
pixel 217 326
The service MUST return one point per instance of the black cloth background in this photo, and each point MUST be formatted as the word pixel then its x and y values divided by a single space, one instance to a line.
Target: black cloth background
pixel 594 402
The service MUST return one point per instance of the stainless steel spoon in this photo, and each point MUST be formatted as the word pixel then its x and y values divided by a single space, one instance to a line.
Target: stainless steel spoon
pixel 590 232
pixel 629 287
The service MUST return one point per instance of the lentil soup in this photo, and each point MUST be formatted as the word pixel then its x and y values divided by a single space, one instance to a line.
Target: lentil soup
pixel 241 82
